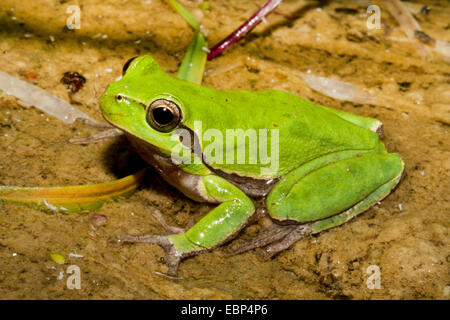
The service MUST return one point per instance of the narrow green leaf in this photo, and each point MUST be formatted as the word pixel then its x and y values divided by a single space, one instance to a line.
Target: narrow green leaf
pixel 194 61
pixel 188 16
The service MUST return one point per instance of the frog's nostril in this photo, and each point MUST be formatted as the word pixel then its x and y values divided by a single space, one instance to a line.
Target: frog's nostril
pixel 119 98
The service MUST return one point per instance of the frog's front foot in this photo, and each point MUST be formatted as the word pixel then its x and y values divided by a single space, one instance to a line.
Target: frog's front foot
pixel 173 257
pixel 105 135
pixel 175 243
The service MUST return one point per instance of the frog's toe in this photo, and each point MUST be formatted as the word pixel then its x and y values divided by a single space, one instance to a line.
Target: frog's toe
pixel 161 240
pixel 172 258
pixel 169 229
pixel 295 233
pixel 99 137
pixel 270 235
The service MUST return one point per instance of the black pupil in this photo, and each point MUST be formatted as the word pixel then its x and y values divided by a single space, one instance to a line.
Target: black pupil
pixel 163 116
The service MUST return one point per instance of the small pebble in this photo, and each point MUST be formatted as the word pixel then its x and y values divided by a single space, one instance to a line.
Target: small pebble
pixel 60 276
pixel 59 259
pixel 99 220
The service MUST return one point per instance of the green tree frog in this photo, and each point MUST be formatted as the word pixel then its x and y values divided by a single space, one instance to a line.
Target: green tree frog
pixel 320 167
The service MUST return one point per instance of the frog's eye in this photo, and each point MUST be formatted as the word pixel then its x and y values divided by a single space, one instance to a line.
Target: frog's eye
pixel 163 115
pixel 126 65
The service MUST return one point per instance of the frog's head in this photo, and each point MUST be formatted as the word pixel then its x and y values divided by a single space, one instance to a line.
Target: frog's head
pixel 139 104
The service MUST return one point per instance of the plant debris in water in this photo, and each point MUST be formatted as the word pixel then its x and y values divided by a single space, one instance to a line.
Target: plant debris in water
pixel 73 81
pixel 41 99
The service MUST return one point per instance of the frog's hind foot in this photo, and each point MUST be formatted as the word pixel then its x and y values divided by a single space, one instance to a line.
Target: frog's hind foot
pixel 295 233
pixel 172 259
pixel 169 229
pixel 272 239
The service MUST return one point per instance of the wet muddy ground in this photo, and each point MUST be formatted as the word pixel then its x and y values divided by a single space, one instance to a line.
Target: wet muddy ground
pixel 406 235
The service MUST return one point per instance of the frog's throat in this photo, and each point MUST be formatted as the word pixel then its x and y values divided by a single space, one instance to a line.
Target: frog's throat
pixel 187 183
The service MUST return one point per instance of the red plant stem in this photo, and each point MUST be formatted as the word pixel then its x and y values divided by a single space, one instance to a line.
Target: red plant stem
pixel 245 28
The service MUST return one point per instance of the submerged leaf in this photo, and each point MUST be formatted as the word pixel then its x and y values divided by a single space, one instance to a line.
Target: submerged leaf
pixel 340 90
pixel 71 199
pixel 41 99
pixel 408 24
pixel 58 258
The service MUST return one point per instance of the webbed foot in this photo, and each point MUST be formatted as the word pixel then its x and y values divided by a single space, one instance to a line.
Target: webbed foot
pixel 295 233
pixel 267 236
pixel 172 258
pixel 170 229
pixel 272 240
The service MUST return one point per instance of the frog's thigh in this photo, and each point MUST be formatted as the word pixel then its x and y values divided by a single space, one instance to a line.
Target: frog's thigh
pixel 355 183
pixel 234 209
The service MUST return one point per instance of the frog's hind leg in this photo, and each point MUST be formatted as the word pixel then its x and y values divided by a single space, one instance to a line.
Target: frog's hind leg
pixel 369 123
pixel 303 230
pixel 313 198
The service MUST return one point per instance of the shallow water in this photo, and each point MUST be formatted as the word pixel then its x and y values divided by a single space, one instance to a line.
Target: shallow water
pixel 406 235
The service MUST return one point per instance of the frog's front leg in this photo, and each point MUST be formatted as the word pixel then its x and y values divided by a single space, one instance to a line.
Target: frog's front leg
pixel 218 226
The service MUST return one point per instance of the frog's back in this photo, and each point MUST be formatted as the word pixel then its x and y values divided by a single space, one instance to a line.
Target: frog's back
pixel 304 131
